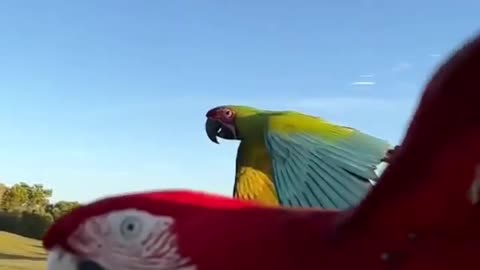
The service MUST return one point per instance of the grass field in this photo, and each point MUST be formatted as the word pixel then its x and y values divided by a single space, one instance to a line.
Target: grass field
pixel 19 253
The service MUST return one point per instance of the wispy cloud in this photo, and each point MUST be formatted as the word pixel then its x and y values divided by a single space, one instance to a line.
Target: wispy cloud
pixel 363 83
pixel 435 55
pixel 402 66
pixel 366 79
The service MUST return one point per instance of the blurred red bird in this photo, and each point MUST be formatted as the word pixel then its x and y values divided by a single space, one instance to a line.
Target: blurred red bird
pixel 423 213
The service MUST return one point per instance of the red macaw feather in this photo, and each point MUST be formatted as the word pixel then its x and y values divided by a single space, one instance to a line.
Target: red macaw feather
pixel 423 213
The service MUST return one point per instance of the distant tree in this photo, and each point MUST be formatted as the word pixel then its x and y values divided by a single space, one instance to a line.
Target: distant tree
pixel 3 188
pixel 34 225
pixel 38 197
pixel 9 221
pixel 61 208
pixel 26 209
pixel 24 197
pixel 15 197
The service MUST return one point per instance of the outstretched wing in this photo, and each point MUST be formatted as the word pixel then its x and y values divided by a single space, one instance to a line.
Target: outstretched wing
pixel 318 164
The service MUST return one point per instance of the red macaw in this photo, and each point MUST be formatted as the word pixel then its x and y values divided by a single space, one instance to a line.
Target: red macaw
pixel 423 213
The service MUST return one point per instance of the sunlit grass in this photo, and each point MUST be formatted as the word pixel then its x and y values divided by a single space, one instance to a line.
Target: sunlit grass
pixel 17 252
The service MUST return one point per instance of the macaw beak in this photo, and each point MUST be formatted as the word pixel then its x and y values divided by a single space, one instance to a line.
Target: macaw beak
pixel 62 260
pixel 215 128
pixel 211 128
pixel 89 265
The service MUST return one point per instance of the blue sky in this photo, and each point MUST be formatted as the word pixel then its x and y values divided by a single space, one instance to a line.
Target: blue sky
pixel 103 97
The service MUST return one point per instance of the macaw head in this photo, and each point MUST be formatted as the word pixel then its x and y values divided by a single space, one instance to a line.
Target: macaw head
pixel 120 232
pixel 230 122
pixel 133 231
pixel 106 233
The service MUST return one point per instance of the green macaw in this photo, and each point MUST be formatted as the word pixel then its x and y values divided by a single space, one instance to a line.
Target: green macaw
pixel 287 158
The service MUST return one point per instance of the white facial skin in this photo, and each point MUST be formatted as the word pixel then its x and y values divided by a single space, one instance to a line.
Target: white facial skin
pixel 59 260
pixel 128 239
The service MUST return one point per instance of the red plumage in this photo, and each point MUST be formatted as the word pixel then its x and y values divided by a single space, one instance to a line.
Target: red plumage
pixel 419 216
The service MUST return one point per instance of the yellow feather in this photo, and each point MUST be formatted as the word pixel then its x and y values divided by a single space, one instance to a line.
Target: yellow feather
pixel 254 175
pixel 254 185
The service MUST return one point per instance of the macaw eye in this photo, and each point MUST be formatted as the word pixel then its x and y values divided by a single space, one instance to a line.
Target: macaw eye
pixel 228 113
pixel 131 227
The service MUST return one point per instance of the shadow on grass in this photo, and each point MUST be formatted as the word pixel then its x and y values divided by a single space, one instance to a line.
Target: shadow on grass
pixel 4 256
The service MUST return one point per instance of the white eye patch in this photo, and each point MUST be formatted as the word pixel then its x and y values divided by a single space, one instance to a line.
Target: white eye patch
pixel 130 239
pixel 134 226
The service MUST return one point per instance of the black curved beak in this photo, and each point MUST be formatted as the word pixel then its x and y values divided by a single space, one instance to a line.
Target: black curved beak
pixel 89 265
pixel 215 129
pixel 212 127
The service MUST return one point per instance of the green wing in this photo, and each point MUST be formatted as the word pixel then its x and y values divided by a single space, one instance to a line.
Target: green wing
pixel 318 164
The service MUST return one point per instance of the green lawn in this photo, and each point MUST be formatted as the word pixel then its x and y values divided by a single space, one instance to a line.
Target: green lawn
pixel 18 253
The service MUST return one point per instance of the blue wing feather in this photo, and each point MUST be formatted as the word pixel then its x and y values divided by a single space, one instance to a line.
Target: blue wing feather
pixel 310 172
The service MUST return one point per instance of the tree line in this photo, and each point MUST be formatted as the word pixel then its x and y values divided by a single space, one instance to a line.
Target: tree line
pixel 26 209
